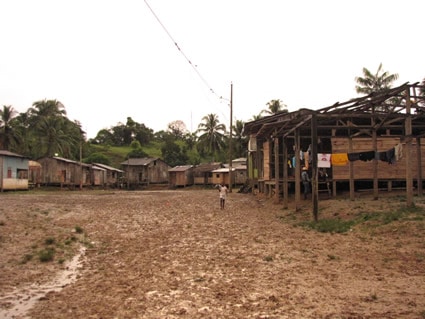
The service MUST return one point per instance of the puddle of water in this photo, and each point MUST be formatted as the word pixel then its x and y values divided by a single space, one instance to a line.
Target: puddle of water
pixel 20 301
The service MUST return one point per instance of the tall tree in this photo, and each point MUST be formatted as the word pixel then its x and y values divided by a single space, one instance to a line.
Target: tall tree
pixel 46 108
pixel 212 135
pixel 372 83
pixel 240 141
pixel 177 128
pixel 52 132
pixel 9 137
pixel 275 106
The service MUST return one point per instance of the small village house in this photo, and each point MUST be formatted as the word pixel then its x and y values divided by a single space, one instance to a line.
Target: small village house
pixel 368 141
pixel 222 176
pixel 34 175
pixel 181 176
pixel 64 172
pixel 112 176
pixel 13 171
pixel 145 171
pixel 202 173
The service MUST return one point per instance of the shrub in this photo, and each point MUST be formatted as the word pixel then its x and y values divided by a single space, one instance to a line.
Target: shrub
pixel 46 255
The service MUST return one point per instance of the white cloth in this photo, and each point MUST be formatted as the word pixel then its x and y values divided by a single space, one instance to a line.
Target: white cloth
pixel 324 160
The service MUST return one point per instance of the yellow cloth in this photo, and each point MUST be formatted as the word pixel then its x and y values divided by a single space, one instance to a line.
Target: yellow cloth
pixel 339 159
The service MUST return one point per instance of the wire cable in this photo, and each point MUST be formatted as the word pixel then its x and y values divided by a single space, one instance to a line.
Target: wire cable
pixel 181 51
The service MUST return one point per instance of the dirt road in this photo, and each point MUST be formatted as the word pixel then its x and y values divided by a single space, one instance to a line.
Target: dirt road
pixel 175 254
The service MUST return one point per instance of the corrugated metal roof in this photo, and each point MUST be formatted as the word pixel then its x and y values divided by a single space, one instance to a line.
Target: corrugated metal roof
pixel 109 168
pixel 139 161
pixel 223 170
pixel 207 167
pixel 7 153
pixel 181 168
pixel 34 163
pixel 66 160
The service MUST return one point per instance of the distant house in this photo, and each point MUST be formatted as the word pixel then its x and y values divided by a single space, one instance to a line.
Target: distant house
pixel 34 175
pixel 240 174
pixel 97 176
pixel 112 176
pixel 64 172
pixel 13 171
pixel 181 175
pixel 145 171
pixel 202 173
pixel 241 171
pixel 221 176
pixel 239 162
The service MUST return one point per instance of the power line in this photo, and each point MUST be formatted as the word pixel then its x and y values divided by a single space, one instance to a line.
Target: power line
pixel 181 51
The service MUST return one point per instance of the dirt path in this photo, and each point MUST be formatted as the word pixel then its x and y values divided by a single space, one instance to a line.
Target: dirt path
pixel 175 254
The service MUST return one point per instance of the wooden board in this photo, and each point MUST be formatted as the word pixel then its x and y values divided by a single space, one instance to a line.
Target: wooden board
pixel 364 170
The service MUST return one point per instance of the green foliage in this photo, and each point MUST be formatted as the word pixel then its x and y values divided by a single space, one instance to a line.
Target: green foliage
pixel 97 158
pixel 137 153
pixel 173 155
pixel 46 254
pixel 78 230
pixel 374 219
pixel 49 241
pixel 330 225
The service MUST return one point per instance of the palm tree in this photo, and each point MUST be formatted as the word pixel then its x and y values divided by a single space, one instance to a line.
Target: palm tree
pixel 8 135
pixel 372 83
pixel 212 138
pixel 275 106
pixel 241 141
pixel 45 108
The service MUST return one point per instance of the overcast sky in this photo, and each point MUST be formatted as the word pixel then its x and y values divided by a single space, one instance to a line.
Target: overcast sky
pixel 107 60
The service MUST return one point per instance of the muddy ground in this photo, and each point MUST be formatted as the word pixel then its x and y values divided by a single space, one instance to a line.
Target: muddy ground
pixel 175 254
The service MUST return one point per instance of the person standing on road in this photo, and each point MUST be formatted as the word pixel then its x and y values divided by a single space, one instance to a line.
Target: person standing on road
pixel 306 181
pixel 222 189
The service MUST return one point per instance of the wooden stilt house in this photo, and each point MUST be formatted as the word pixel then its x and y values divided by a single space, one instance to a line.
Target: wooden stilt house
pixel 373 139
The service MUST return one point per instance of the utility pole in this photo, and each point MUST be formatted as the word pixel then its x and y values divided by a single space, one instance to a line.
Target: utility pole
pixel 230 139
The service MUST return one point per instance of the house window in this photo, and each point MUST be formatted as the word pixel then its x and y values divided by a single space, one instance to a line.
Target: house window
pixel 22 173
pixel 9 172
pixel 217 175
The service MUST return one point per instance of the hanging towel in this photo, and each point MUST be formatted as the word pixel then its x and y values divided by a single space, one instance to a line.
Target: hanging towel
pixel 324 160
pixel 388 156
pixel 339 159
pixel 353 157
pixel 307 159
pixel 398 151
pixel 367 156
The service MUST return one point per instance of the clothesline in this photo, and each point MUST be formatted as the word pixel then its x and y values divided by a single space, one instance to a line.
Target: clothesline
pixel 325 160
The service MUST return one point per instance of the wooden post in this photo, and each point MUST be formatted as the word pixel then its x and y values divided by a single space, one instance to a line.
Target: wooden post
pixel 276 169
pixel 297 169
pixel 285 174
pixel 419 179
pixel 230 138
pixel 375 161
pixel 333 180
pixel 314 174
pixel 408 133
pixel 351 168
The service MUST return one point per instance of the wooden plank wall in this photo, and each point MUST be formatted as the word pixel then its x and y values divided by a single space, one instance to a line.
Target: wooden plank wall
pixel 364 170
pixel 266 165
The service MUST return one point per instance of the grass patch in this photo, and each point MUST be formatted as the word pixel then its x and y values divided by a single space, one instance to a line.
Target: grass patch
pixel 49 241
pixel 78 230
pixel 363 218
pixel 268 258
pixel 330 225
pixel 46 255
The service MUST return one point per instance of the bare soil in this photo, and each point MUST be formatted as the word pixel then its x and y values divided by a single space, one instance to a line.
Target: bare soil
pixel 175 254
